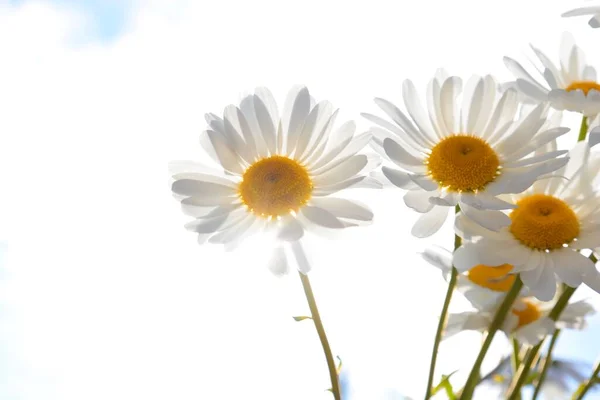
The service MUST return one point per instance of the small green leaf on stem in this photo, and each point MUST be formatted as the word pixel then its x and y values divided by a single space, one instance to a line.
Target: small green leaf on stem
pixel 301 318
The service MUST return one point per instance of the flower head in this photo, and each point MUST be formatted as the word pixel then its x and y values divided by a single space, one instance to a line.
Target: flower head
pixel 277 173
pixel 554 219
pixel 572 85
pixel 467 148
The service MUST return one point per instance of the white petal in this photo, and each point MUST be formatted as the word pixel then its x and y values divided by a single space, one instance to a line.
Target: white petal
pixel 492 220
pixel 424 182
pixel 321 217
pixel 291 229
pixel 402 120
pixel 296 110
pixel 216 144
pixel 400 156
pixel 278 264
pixel 418 200
pixel 301 257
pixel 399 178
pixel 483 201
pixel 416 112
pixel 192 187
pixel 430 222
pixel 343 208
pixel 342 172
pixel 439 258
pixel 571 266
pixel 466 257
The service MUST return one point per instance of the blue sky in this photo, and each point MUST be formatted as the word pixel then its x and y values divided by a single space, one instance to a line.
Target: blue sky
pixel 107 19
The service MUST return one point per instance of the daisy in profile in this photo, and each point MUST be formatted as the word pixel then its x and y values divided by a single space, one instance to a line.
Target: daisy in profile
pixel 467 147
pixel 555 218
pixel 528 319
pixel 592 11
pixel 277 173
pixel 482 284
pixel 572 85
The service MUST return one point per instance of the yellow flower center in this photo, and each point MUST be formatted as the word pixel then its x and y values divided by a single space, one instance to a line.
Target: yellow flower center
pixel 275 186
pixel 493 278
pixel 543 222
pixel 585 86
pixel 463 163
pixel 528 314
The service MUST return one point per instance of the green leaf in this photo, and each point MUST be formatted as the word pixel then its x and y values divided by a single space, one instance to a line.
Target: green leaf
pixel 302 318
pixel 339 367
pixel 446 385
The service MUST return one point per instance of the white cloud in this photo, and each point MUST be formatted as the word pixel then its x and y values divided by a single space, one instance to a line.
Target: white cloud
pixel 110 297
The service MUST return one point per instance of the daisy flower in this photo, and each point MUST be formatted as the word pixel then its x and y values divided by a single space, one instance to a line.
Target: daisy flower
pixel 572 85
pixel 593 11
pixel 555 218
pixel 528 319
pixel 467 148
pixel 277 174
pixel 482 284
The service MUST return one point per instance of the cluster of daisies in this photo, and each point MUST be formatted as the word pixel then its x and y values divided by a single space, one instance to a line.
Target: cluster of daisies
pixel 525 209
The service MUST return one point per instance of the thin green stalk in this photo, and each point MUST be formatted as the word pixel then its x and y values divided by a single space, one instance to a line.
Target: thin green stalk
pixel 521 375
pixel 587 385
pixel 501 313
pixel 316 317
pixel 443 319
pixel 583 129
pixel 514 359
pixel 546 365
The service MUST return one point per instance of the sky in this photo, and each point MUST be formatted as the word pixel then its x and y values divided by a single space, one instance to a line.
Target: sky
pixel 103 294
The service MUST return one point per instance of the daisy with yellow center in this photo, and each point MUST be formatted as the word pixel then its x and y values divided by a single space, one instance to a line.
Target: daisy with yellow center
pixel 277 173
pixel 554 219
pixel 481 285
pixel 572 85
pixel 468 147
pixel 528 320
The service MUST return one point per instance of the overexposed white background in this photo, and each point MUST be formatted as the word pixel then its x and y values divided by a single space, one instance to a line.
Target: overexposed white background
pixel 104 295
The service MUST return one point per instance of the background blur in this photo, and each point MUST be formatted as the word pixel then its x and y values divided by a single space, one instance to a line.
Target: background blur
pixel 104 295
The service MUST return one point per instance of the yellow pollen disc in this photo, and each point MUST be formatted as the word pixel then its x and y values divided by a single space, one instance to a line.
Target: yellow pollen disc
pixel 528 314
pixel 275 186
pixel 584 86
pixel 463 163
pixel 543 222
pixel 493 278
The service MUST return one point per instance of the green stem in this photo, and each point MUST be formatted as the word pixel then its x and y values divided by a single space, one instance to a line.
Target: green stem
pixel 521 375
pixel 443 319
pixel 316 317
pixel 587 385
pixel 546 365
pixel 583 129
pixel 515 361
pixel 501 313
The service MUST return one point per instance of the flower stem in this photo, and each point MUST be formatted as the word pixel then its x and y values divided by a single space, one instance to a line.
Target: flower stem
pixel 316 317
pixel 583 129
pixel 515 361
pixel 443 319
pixel 587 385
pixel 546 365
pixel 501 313
pixel 521 376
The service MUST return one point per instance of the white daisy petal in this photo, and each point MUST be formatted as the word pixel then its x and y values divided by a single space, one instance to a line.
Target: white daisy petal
pixel 400 156
pixel 492 220
pixel 291 229
pixel 571 266
pixel 193 187
pixel 418 200
pixel 322 217
pixel 345 170
pixel 278 264
pixel 424 182
pixel 301 257
pixel 216 144
pixel 484 201
pixel 439 258
pixel 343 208
pixel 430 222
pixel 297 108
pixel 399 178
